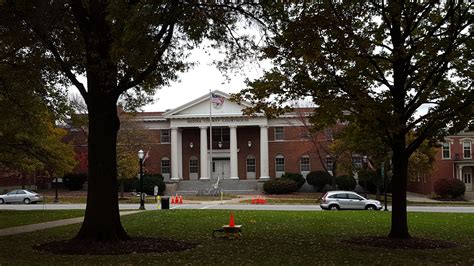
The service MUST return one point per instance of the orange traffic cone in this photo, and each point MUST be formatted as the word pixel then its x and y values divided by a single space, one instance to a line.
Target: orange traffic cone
pixel 253 200
pixel 172 200
pixel 231 221
pixel 180 199
pixel 259 200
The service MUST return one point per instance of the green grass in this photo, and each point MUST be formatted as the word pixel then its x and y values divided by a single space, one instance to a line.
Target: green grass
pixel 16 218
pixel 269 238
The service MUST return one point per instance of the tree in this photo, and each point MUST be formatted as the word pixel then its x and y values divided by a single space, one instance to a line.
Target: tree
pixel 398 67
pixel 126 49
pixel 30 141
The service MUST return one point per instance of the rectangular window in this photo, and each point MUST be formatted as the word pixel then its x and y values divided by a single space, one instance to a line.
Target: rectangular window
pixel 329 163
pixel 305 135
pixel 467 149
pixel 328 134
pixel 251 165
pixel 165 136
pixel 357 161
pixel 304 164
pixel 446 150
pixel 193 166
pixel 280 164
pixel 165 166
pixel 279 135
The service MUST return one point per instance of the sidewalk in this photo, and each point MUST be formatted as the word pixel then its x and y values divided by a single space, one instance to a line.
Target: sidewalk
pixel 46 225
pixel 414 197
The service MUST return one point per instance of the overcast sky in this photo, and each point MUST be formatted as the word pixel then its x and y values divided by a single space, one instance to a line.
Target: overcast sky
pixel 198 81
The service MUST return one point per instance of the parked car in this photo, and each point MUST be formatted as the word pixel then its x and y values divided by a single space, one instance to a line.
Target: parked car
pixel 339 200
pixel 20 195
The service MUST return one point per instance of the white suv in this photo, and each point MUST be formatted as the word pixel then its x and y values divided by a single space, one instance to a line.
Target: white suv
pixel 338 200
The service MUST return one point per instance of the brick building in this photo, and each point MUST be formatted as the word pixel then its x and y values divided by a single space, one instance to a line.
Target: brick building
pixel 454 159
pixel 243 148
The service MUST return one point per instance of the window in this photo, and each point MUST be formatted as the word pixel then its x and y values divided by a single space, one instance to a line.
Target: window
pixel 165 165
pixel 279 135
pixel 305 134
pixel 467 178
pixel 467 149
pixel 165 136
pixel 193 165
pixel 357 161
pixel 251 164
pixel 280 163
pixel 220 135
pixel 304 164
pixel 446 150
pixel 329 163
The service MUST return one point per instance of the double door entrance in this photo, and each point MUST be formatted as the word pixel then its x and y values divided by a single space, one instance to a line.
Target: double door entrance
pixel 221 168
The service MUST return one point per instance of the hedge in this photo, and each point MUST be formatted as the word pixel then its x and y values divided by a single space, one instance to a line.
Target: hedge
pixel 298 178
pixel 280 186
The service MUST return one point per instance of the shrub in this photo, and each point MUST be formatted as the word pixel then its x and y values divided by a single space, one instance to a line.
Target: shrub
pixel 345 182
pixel 74 181
pixel 369 179
pixel 149 183
pixel 319 179
pixel 449 187
pixel 298 178
pixel 280 186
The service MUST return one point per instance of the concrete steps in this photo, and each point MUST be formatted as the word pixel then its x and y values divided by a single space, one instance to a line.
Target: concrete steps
pixel 206 187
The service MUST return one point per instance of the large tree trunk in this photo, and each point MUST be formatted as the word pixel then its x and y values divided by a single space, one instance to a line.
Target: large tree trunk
pixel 399 187
pixel 102 219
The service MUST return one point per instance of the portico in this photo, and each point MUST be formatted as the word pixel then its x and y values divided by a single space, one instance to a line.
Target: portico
pixel 232 137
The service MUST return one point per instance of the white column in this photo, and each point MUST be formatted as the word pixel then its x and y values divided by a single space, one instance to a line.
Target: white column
pixel 234 170
pixel 180 154
pixel 460 177
pixel 174 154
pixel 203 157
pixel 264 153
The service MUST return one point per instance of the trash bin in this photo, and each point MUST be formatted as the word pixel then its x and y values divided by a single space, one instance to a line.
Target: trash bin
pixel 165 203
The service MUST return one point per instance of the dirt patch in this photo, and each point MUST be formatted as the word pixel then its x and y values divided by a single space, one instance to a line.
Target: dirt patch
pixel 133 245
pixel 410 243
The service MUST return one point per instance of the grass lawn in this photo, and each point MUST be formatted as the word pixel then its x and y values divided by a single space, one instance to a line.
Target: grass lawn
pixel 269 238
pixel 17 218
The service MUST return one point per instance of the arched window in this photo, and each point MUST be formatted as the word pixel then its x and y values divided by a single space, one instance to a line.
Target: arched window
pixel 165 165
pixel 305 164
pixel 193 165
pixel 279 165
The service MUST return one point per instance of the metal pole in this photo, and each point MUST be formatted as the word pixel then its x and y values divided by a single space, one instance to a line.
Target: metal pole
pixel 210 135
pixel 142 200
pixel 382 169
pixel 56 199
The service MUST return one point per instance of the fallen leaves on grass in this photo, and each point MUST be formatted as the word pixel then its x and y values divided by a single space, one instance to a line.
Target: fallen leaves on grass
pixel 133 245
pixel 410 243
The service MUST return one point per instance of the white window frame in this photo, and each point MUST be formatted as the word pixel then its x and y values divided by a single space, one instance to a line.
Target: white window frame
pixel 279 157
pixel 247 165
pixel 162 136
pixel 469 147
pixel 279 135
pixel 306 157
pixel 443 149
pixel 194 158
pixel 329 163
pixel 164 159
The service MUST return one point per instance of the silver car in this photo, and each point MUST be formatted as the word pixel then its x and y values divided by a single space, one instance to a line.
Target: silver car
pixel 338 200
pixel 20 195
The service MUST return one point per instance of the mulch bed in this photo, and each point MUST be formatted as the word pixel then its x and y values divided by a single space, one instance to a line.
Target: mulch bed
pixel 410 243
pixel 133 245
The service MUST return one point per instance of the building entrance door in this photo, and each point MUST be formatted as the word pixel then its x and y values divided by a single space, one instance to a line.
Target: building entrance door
pixel 221 167
pixel 467 178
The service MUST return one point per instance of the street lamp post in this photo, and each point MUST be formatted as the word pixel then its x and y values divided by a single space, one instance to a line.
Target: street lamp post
pixel 142 200
pixel 56 199
pixel 365 177
pixel 382 170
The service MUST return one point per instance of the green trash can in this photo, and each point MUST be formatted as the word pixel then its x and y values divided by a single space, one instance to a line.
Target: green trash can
pixel 165 203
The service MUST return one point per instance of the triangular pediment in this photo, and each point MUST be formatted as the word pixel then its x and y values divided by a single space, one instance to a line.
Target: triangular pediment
pixel 219 106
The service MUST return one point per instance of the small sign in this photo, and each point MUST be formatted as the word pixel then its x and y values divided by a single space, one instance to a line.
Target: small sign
pixel 155 190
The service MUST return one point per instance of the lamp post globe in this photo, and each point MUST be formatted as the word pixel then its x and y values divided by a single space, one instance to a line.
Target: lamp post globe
pixel 141 155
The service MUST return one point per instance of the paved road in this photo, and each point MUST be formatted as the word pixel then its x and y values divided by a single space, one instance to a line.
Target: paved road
pixel 218 206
